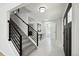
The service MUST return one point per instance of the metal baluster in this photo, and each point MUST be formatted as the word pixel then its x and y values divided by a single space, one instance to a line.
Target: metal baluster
pixel 20 45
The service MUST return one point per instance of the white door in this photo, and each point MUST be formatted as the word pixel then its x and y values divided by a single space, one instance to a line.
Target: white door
pixel 50 30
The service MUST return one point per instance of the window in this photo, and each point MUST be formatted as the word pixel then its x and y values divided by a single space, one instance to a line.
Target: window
pixel 70 15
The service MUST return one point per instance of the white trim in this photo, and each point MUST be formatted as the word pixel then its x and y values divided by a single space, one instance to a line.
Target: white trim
pixel 33 41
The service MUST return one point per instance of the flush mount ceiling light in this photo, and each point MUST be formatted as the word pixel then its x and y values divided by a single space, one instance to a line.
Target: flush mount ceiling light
pixel 42 9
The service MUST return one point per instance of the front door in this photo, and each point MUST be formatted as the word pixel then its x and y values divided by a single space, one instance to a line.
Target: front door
pixel 67 39
pixel 67 28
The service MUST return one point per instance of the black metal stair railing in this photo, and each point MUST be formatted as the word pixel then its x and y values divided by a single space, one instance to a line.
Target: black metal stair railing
pixel 31 31
pixel 33 34
pixel 15 37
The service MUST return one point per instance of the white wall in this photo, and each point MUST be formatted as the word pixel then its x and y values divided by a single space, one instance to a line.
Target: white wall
pixel 59 33
pixel 27 17
pixel 4 43
pixel 75 29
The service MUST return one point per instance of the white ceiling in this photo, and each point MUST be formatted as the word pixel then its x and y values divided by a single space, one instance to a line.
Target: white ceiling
pixel 54 11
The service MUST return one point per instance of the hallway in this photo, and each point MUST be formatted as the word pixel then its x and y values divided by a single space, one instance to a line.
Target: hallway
pixel 45 23
pixel 48 46
pixel 48 49
pixel 31 22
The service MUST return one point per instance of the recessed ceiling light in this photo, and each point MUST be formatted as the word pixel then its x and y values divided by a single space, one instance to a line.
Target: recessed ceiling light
pixel 42 9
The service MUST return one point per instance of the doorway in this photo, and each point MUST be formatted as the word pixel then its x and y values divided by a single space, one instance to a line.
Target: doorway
pixel 50 31
pixel 67 30
pixel 67 39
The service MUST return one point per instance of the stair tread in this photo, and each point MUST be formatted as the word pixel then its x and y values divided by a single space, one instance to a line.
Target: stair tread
pixel 26 45
pixel 25 41
pixel 21 32
pixel 28 50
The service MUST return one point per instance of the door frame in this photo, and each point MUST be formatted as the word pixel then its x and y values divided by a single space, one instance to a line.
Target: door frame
pixel 65 21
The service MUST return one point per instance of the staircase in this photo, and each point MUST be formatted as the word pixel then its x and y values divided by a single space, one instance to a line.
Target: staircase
pixel 27 45
pixel 23 45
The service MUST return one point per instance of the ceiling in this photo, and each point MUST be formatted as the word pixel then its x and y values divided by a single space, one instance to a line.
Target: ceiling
pixel 54 11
